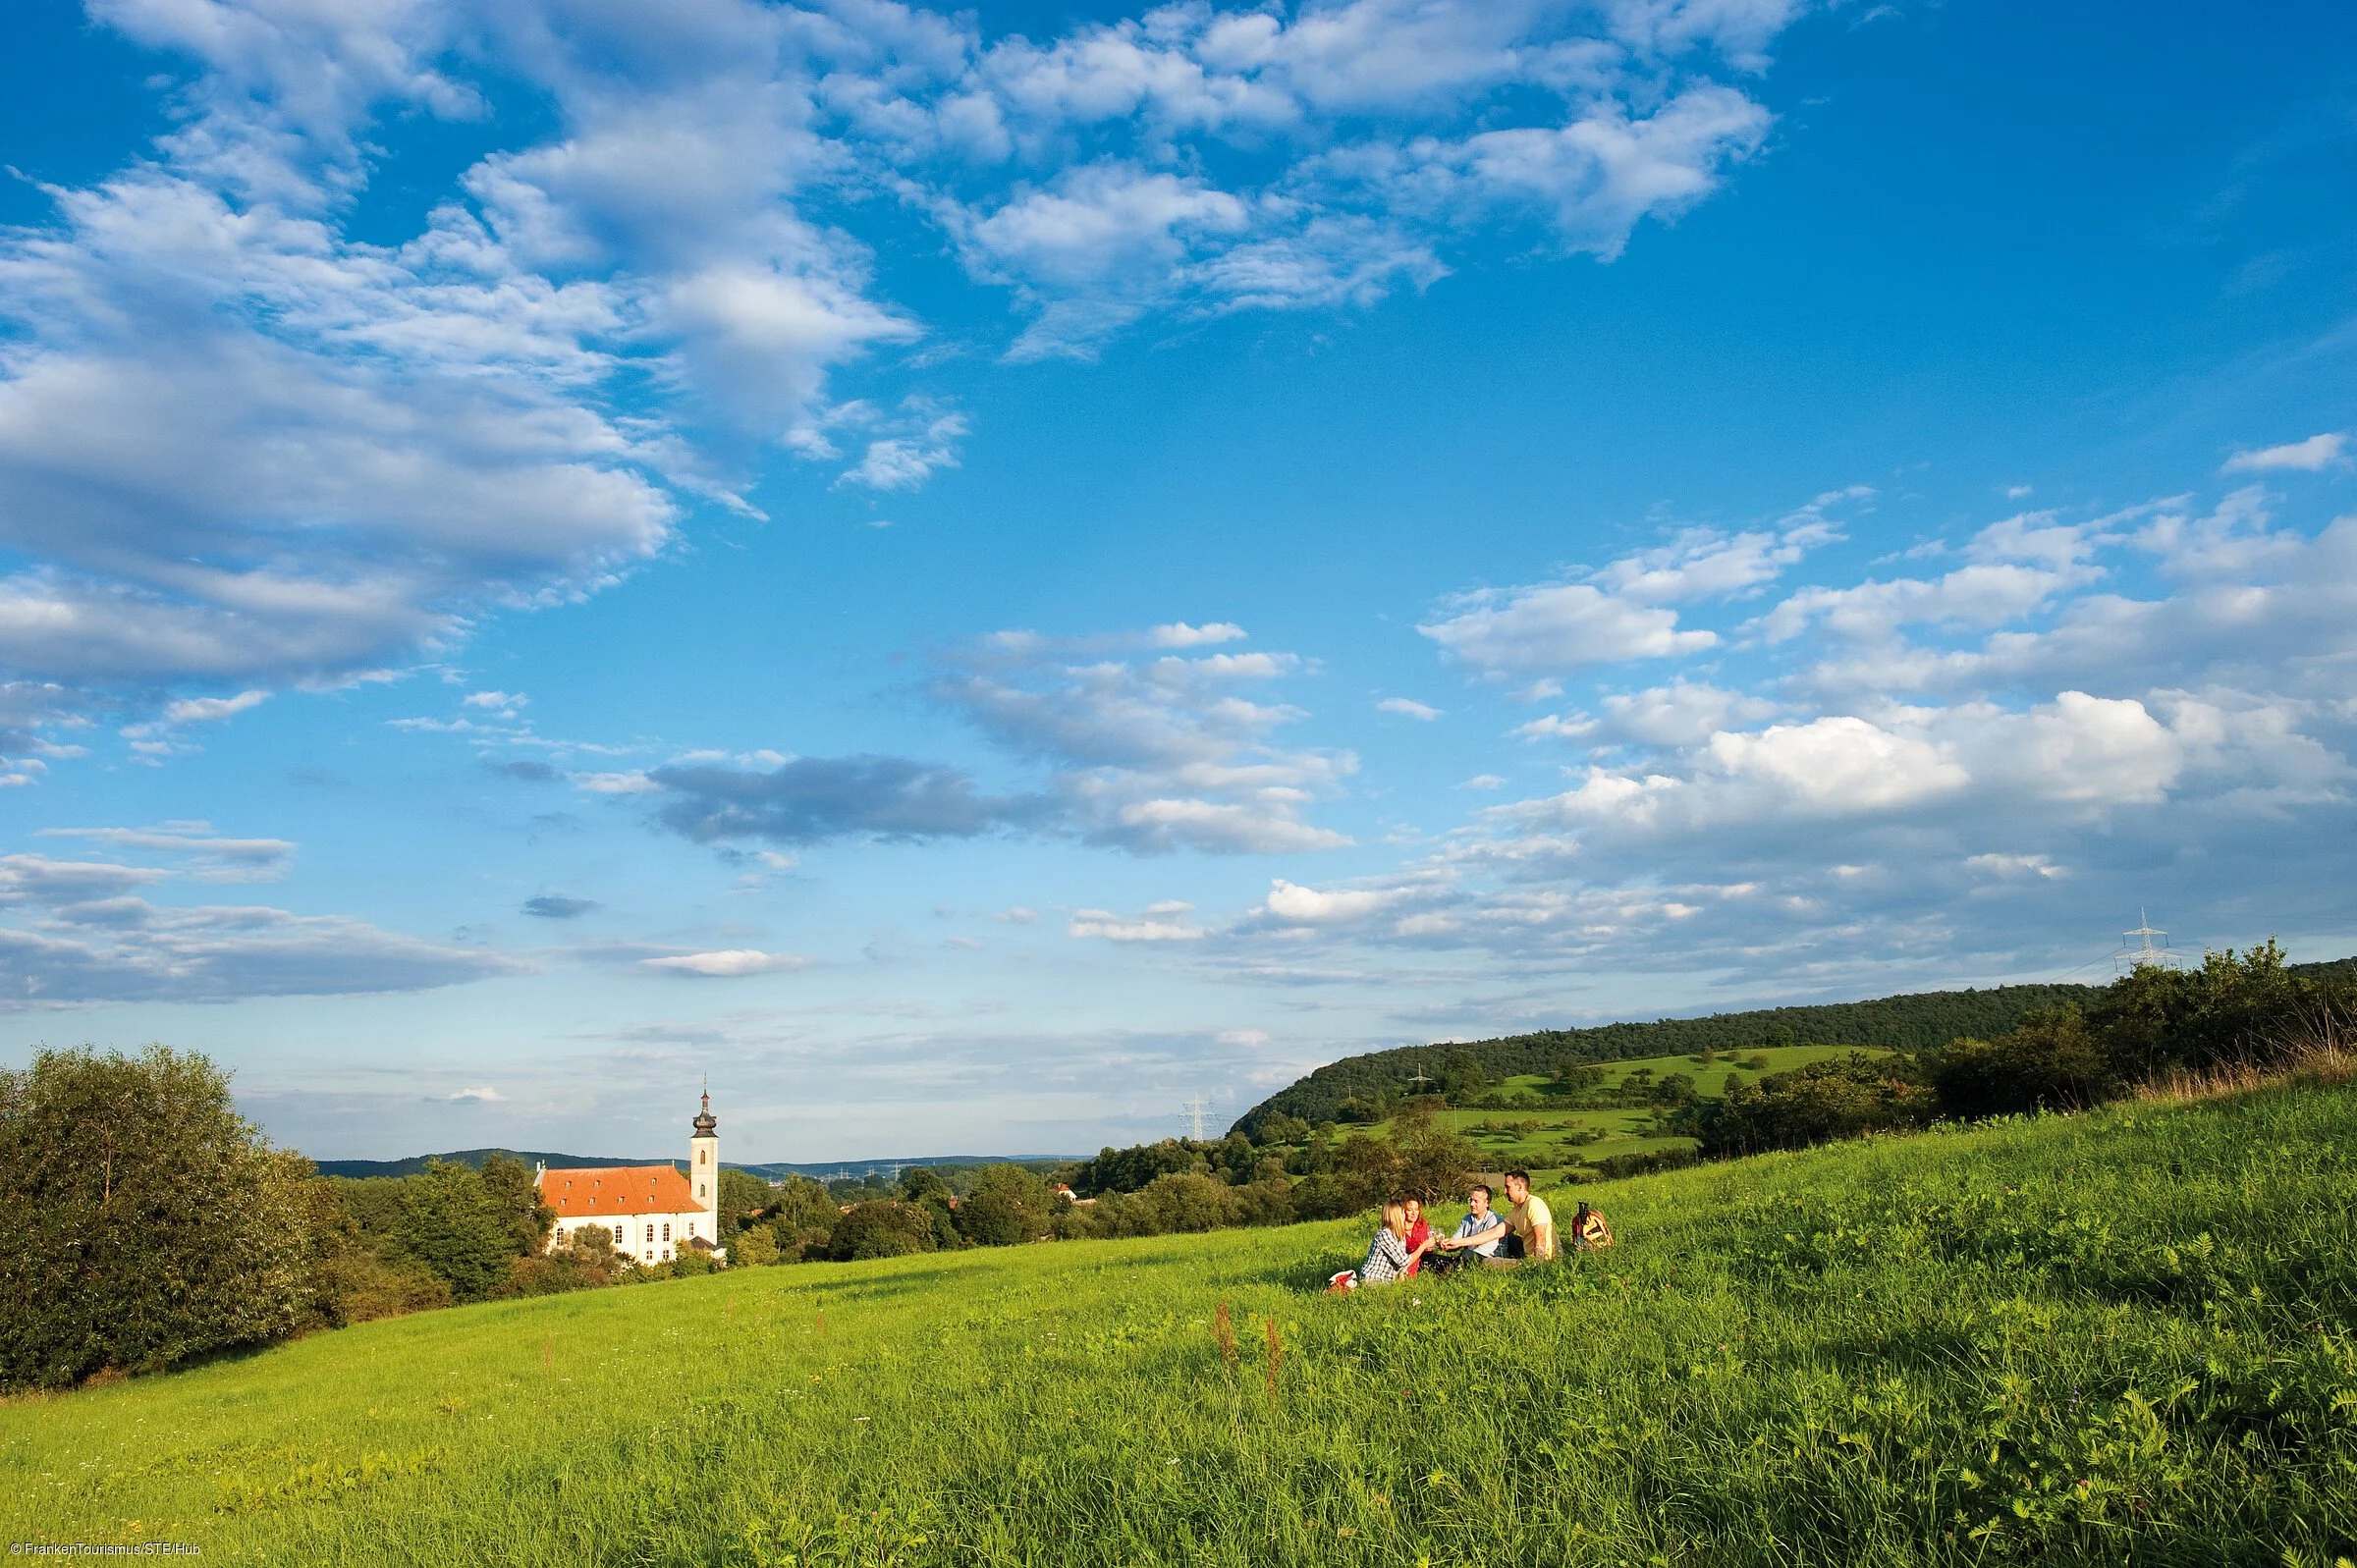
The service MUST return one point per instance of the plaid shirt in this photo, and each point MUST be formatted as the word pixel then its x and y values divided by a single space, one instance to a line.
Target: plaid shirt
pixel 1387 1256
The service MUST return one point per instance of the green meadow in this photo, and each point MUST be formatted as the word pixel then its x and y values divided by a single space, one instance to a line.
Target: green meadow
pixel 1549 1139
pixel 2124 1337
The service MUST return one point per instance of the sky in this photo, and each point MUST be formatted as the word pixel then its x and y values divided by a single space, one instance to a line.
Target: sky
pixel 970 577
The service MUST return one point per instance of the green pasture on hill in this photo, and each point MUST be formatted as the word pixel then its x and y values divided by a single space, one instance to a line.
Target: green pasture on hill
pixel 2118 1337
pixel 1546 1138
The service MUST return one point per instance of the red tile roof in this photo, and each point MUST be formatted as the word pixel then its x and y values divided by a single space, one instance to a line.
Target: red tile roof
pixel 618 1190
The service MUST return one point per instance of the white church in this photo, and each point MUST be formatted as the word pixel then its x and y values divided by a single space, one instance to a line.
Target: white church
pixel 653 1213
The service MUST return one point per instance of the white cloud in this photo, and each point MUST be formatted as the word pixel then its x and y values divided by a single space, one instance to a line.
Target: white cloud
pixel 728 963
pixel 1964 774
pixel 1157 753
pixel 1179 635
pixel 1110 927
pixel 198 710
pixel 1619 612
pixel 242 446
pixel 1408 707
pixel 1289 902
pixel 1561 627
pixel 2312 455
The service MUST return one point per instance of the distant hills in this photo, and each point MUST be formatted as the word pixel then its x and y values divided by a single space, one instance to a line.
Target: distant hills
pixel 1916 1021
pixel 778 1171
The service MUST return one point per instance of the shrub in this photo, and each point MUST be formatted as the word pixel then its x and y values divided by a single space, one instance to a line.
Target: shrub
pixel 1810 1104
pixel 2052 1062
pixel 886 1228
pixel 991 1219
pixel 142 1221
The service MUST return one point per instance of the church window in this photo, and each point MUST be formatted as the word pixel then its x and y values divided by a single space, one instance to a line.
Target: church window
pixel 702 1156
pixel 617 1235
pixel 667 1232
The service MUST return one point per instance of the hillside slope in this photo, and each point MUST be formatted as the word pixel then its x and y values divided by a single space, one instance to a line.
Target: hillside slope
pixel 1910 1022
pixel 1916 1021
pixel 2124 1337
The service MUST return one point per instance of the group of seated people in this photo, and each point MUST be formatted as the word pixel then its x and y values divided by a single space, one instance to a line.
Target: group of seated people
pixel 1405 1245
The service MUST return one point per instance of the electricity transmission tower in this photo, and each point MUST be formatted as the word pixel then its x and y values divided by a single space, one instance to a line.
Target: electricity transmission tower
pixel 2144 952
pixel 1193 1113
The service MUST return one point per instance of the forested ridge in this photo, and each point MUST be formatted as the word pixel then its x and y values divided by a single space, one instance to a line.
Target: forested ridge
pixel 1918 1021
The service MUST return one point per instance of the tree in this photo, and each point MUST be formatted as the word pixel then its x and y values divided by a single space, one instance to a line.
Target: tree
pixel 1462 1077
pixel 991 1219
pixel 1185 1201
pixel 744 1199
pixel 142 1221
pixel 920 1182
pixel 451 1222
pixel 2052 1061
pixel 1822 1101
pixel 882 1229
pixel 512 1196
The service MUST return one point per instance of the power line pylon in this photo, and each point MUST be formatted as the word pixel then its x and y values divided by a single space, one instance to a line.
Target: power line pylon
pixel 2144 952
pixel 1193 1112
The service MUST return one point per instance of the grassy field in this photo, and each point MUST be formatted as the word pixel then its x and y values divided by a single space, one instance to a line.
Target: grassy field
pixel 2119 1338
pixel 1549 1140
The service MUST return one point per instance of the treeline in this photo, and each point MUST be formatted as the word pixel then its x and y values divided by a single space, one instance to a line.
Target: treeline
pixel 1379 1080
pixel 1151 1190
pixel 2237 1011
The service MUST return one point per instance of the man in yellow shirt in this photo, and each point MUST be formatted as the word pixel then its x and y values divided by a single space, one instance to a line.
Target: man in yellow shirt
pixel 1529 1219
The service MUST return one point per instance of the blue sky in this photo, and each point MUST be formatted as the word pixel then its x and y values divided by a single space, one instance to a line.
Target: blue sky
pixel 972 576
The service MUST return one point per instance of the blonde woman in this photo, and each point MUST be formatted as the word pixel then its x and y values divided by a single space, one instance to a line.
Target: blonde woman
pixel 1387 1256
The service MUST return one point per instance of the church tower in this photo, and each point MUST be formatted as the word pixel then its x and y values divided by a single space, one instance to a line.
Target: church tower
pixel 703 1169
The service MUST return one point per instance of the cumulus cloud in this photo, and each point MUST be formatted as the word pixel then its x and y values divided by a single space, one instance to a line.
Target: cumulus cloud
pixel 1908 775
pixel 1620 613
pixel 1155 753
pixel 2312 455
pixel 249 440
pixel 1408 708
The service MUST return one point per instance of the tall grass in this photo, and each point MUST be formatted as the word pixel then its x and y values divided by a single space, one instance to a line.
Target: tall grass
pixel 2118 1337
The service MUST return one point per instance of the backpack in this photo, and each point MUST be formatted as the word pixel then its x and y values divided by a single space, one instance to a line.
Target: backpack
pixel 1590 1229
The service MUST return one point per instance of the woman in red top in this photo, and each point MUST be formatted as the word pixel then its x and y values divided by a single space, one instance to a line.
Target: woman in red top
pixel 1419 1240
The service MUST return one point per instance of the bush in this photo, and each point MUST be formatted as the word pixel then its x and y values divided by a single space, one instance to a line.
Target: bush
pixel 991 1219
pixel 363 1287
pixel 885 1228
pixel 143 1223
pixel 586 1262
pixel 1811 1105
pixel 2052 1062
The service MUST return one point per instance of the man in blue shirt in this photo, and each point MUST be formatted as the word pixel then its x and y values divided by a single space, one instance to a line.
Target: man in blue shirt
pixel 1480 1235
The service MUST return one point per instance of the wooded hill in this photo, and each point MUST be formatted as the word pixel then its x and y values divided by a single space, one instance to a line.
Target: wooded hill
pixel 1918 1021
